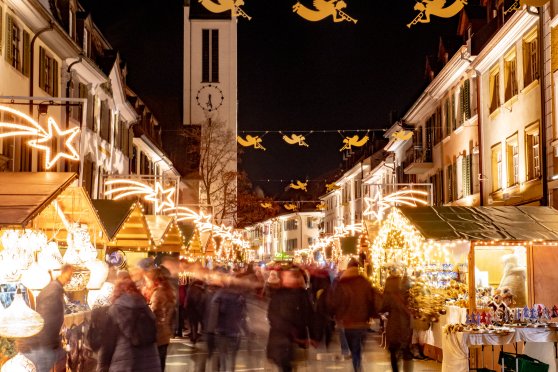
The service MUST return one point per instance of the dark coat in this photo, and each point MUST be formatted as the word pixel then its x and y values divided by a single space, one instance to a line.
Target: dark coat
pixel 123 356
pixel 227 313
pixel 51 306
pixel 396 303
pixel 163 306
pixel 290 317
pixel 353 300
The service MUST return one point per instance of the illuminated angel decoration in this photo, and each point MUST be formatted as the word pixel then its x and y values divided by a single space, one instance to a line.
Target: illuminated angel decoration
pixel 331 187
pixel 160 196
pixel 223 5
pixel 44 140
pixel 354 141
pixel 299 185
pixel 427 8
pixel 295 139
pixel 377 205
pixel 250 141
pixel 290 207
pixel 321 207
pixel 266 205
pixel 402 135
pixel 324 9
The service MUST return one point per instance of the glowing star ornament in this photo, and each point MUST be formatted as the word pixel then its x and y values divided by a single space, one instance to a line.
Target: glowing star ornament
pixel 161 194
pixel 324 9
pixel 295 139
pixel 250 141
pixel 54 134
pixel 45 140
pixel 377 205
pixel 349 142
pixel 221 6
pixel 299 185
pixel 427 8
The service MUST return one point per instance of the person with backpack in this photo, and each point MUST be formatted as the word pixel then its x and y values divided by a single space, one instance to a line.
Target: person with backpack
pixel 130 338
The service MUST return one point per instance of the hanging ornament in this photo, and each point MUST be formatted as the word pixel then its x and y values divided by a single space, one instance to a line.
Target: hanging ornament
pixel 49 257
pixel 290 206
pixel 255 141
pixel 80 250
pixel 19 320
pixel 402 135
pixel 226 5
pixel 331 187
pixel 321 207
pixel 295 139
pixel 19 252
pixel 266 205
pixel 100 297
pixel 324 9
pixel 353 141
pixel 428 8
pixel 99 273
pixel 36 277
pixel 299 185
pixel 18 363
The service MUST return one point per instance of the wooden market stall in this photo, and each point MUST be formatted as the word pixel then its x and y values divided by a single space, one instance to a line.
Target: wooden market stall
pixel 489 249
pixel 166 235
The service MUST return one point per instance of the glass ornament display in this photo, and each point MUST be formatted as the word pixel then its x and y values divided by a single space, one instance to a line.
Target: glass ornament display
pixel 19 320
pixel 36 277
pixel 49 257
pixel 99 272
pixel 80 250
pixel 19 363
pixel 79 279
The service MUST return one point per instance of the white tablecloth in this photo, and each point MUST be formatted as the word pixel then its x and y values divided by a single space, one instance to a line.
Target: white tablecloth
pixel 455 346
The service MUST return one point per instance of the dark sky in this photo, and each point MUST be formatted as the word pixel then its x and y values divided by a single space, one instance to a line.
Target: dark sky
pixel 292 74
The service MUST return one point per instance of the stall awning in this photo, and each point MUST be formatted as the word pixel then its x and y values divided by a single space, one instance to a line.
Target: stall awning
pixel 165 233
pixel 24 195
pixel 526 223
pixel 124 223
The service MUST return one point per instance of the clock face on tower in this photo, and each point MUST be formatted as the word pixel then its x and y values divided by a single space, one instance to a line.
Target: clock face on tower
pixel 209 97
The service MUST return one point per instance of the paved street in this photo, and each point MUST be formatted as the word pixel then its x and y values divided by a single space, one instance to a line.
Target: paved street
pixel 183 356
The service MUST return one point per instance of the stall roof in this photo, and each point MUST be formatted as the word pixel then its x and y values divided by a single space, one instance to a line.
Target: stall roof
pixel 166 234
pixel 124 223
pixel 526 223
pixel 23 195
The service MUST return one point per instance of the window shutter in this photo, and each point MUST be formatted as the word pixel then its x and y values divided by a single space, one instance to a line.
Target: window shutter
pixel 41 67
pixel 450 183
pixel 468 176
pixel 467 99
pixel 475 182
pixel 9 29
pixel 26 54
pixel 454 182
pixel 55 73
pixel 215 56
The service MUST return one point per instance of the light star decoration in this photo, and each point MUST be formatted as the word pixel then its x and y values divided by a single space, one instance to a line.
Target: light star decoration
pixel 160 196
pixel 45 140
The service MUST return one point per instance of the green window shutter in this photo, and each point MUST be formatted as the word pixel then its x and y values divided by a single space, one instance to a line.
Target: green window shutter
pixel 26 54
pixel 450 183
pixel 9 29
pixel 55 73
pixel 454 181
pixel 467 99
pixel 42 68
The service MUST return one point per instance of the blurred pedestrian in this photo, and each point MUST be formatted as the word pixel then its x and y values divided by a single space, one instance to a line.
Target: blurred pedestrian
pixel 131 334
pixel 195 307
pixel 353 303
pixel 44 349
pixel 398 327
pixel 163 303
pixel 227 314
pixel 290 317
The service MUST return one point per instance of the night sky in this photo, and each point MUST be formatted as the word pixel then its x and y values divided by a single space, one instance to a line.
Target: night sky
pixel 292 74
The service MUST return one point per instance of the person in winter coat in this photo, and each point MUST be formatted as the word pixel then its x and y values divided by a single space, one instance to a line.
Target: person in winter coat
pixel 398 329
pixel 290 317
pixel 162 303
pixel 227 314
pixel 353 303
pixel 123 349
pixel 195 307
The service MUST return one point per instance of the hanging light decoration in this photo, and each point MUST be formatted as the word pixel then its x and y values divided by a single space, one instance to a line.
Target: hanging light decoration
pixel 19 363
pixel 99 273
pixel 36 277
pixel 19 252
pixel 19 320
pixel 49 257
pixel 100 297
pixel 80 250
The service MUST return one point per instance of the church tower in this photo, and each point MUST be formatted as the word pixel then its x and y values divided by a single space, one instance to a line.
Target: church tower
pixel 210 96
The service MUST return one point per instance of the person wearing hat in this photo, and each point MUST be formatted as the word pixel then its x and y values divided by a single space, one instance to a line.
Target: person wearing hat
pixel 353 303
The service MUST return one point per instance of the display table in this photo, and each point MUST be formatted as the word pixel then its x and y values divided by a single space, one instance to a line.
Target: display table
pixel 433 337
pixel 455 346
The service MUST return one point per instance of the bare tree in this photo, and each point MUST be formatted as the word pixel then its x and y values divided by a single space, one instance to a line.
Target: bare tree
pixel 218 170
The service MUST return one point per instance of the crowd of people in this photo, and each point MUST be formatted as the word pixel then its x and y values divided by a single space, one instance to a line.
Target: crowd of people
pixel 305 307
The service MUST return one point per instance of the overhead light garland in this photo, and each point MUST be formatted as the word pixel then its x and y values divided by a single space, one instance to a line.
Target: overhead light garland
pixel 45 139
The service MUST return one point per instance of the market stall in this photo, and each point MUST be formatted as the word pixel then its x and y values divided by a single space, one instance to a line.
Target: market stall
pixel 167 236
pixel 495 252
